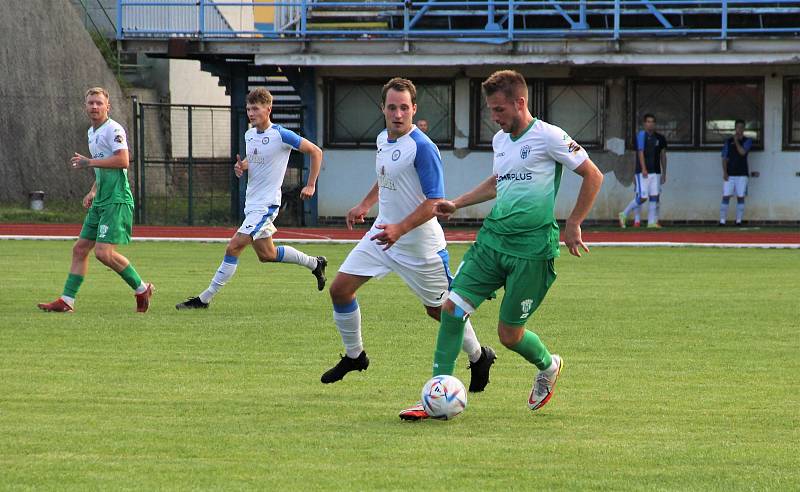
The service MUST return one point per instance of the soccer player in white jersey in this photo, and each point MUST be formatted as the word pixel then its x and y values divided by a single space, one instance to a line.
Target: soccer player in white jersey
pixel 406 238
pixel 268 147
pixel 110 203
pixel 518 242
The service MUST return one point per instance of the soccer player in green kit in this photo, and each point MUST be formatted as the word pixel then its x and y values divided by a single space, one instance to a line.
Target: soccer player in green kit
pixel 519 239
pixel 110 203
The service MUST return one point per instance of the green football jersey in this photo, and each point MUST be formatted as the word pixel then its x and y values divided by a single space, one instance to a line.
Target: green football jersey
pixel 111 184
pixel 522 222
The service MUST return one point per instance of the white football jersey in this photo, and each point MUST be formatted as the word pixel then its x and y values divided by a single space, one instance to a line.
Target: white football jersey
pixel 409 172
pixel 267 157
pixel 107 139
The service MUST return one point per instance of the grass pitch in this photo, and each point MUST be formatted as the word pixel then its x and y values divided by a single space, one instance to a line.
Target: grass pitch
pixel 681 372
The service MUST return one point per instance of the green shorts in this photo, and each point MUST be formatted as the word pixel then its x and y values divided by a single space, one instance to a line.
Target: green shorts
pixel 108 224
pixel 484 270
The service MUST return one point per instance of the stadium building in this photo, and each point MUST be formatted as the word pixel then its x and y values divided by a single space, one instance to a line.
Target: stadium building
pixel 594 68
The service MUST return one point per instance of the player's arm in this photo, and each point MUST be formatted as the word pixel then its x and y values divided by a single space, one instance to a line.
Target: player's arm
pixel 390 233
pixel 89 198
pixel 118 160
pixel 315 154
pixel 484 192
pixel 741 148
pixel 357 214
pixel 725 161
pixel 590 187
pixel 663 166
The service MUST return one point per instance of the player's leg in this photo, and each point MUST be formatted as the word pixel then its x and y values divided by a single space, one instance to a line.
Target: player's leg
pixel 526 288
pixel 225 271
pixel 727 192
pixel 365 261
pixel 740 185
pixel 77 272
pixel 653 191
pixel 267 252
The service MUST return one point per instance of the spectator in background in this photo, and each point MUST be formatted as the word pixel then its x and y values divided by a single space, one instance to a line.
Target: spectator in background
pixel 735 172
pixel 650 173
pixel 423 125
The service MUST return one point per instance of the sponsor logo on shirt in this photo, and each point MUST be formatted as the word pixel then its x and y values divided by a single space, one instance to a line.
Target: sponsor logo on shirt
pixel 118 138
pixel 499 154
pixel 396 155
pixel 574 147
pixel 98 155
pixel 386 182
pixel 526 176
pixel 525 151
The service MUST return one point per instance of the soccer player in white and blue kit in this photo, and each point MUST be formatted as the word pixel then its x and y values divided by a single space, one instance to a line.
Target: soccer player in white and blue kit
pixel 406 238
pixel 268 147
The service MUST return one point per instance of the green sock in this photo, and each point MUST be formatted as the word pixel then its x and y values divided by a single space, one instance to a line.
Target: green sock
pixel 448 344
pixel 534 351
pixel 72 285
pixel 130 276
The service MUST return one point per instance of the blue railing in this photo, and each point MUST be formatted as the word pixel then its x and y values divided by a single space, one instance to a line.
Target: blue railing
pixel 482 20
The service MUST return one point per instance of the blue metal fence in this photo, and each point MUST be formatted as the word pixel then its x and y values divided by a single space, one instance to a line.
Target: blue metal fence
pixel 481 20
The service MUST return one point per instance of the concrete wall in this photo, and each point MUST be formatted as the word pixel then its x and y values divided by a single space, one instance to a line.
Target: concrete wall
pixel 694 181
pixel 48 61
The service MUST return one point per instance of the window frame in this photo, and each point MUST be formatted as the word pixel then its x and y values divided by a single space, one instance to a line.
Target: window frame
pixel 476 104
pixel 601 83
pixel 702 144
pixel 786 140
pixel 635 124
pixel 329 84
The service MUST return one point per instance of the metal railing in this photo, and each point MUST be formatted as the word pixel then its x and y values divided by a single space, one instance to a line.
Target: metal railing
pixel 482 20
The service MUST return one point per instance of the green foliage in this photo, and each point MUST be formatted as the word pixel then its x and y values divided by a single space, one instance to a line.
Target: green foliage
pixel 681 369
pixel 54 212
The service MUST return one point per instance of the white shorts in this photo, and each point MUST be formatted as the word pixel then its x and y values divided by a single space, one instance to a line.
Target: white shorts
pixel 258 225
pixel 735 184
pixel 429 278
pixel 649 186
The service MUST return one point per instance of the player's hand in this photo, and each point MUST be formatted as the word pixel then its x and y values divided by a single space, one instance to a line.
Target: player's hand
pixel 240 167
pixel 644 174
pixel 307 192
pixel 88 199
pixel 663 179
pixel 444 209
pixel 356 215
pixel 79 161
pixel 572 238
pixel 725 177
pixel 390 233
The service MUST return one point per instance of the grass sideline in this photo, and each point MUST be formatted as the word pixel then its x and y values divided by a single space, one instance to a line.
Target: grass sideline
pixel 680 373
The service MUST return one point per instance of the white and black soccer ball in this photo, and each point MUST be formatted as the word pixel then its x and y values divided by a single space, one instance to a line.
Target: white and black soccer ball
pixel 444 397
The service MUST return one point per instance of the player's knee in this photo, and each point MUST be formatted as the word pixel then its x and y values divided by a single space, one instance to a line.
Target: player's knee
pixel 740 200
pixel 653 198
pixel 510 337
pixel 106 257
pixel 340 293
pixel 80 250
pixel 726 200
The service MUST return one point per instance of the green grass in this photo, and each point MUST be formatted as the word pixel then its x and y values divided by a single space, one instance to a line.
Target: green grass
pixel 681 372
pixel 68 212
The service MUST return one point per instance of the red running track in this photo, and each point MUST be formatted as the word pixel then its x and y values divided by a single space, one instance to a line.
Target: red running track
pixel 663 235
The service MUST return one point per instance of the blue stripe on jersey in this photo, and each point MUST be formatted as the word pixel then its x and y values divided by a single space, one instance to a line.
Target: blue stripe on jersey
pixel 748 144
pixel 640 140
pixel 445 256
pixel 270 211
pixel 289 137
pixel 428 165
pixel 346 308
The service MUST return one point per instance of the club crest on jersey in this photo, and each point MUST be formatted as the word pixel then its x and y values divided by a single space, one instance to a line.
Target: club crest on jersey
pixel 574 147
pixel 118 139
pixel 265 140
pixel 526 308
pixel 525 151
pixel 396 155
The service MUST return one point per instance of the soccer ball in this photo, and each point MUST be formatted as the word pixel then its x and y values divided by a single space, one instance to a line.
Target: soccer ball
pixel 444 397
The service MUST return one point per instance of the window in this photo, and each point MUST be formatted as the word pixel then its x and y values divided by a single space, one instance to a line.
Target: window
pixel 672 103
pixel 791 111
pixel 484 128
pixel 725 102
pixel 577 109
pixel 354 117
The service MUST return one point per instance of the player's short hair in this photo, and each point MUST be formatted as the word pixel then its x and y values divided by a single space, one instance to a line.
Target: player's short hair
pixel 737 122
pixel 399 84
pixel 96 91
pixel 648 115
pixel 259 96
pixel 511 83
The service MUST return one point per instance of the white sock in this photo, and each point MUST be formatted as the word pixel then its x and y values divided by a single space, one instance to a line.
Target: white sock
pixel 348 321
pixel 637 213
pixel 141 289
pixel 224 273
pixel 739 210
pixel 631 206
pixel 652 213
pixel 723 211
pixel 471 345
pixel 553 368
pixel 69 300
pixel 287 254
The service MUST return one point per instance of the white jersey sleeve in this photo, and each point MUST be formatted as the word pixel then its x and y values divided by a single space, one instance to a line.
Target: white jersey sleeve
pixel 563 149
pixel 116 138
